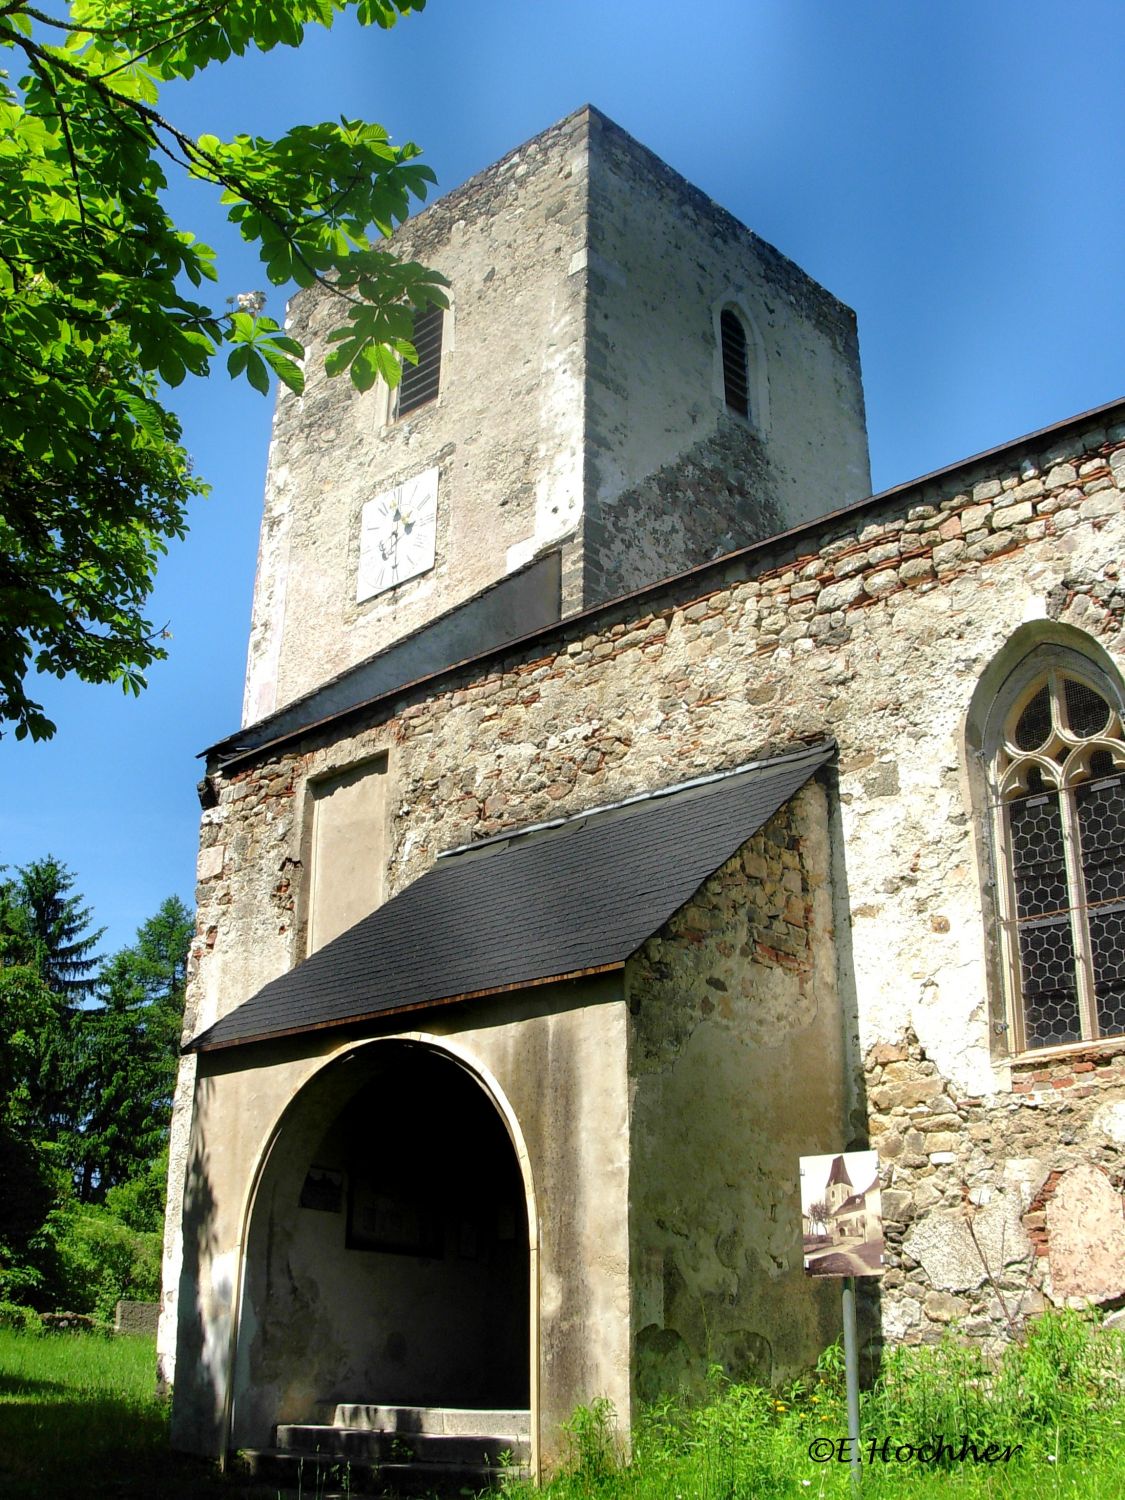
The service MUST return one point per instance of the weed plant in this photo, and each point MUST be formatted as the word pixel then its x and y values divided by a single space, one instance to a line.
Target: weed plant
pixel 1057 1401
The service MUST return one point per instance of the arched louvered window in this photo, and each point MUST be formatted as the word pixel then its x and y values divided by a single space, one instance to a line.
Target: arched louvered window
pixel 1058 763
pixel 420 382
pixel 736 362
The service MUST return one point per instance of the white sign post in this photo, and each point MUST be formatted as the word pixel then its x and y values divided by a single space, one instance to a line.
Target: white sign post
pixel 842 1235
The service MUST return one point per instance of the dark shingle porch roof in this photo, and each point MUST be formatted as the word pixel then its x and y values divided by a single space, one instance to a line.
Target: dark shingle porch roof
pixel 543 904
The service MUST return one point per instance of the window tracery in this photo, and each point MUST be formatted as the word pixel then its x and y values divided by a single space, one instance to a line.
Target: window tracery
pixel 1058 762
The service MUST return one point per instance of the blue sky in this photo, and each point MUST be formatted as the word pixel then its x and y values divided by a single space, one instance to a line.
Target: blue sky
pixel 953 171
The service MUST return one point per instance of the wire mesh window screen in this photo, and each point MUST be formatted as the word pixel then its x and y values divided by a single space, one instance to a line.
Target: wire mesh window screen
pixel 1035 722
pixel 1038 856
pixel 1049 983
pixel 1064 841
pixel 1087 712
pixel 1101 823
pixel 1107 949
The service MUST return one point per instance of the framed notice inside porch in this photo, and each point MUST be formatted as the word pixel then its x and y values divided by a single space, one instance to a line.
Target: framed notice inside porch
pixel 841 1214
pixel 387 1217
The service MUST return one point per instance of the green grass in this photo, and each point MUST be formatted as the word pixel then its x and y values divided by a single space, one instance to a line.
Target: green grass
pixel 79 1418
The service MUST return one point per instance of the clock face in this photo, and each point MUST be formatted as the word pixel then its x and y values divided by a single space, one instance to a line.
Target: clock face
pixel 397 535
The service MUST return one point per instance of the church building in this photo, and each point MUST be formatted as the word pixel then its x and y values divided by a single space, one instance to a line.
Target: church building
pixel 628 803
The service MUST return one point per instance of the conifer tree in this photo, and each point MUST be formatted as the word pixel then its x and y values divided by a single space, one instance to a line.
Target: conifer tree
pixel 44 929
pixel 129 1046
pixel 29 1177
pixel 57 928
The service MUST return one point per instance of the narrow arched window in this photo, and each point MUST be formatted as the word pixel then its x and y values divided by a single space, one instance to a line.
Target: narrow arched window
pixel 1058 764
pixel 420 382
pixel 736 362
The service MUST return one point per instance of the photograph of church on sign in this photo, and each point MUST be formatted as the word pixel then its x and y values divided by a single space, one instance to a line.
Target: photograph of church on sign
pixel 841 1214
pixel 627 804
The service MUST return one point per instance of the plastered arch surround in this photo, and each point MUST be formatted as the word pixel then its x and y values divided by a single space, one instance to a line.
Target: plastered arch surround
pixel 757 374
pixel 486 1080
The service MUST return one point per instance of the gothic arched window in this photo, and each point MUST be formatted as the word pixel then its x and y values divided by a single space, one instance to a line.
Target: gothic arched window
pixel 1058 777
pixel 736 362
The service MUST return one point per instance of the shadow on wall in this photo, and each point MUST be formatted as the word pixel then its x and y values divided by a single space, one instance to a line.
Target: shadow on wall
pixel 206 1302
pixel 744 1057
pixel 869 1299
pixel 717 496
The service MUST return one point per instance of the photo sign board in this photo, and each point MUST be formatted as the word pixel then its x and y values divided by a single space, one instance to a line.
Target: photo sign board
pixel 841 1215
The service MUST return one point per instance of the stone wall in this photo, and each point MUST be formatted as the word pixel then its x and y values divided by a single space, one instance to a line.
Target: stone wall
pixel 136 1317
pixel 673 477
pixel 994 1206
pixel 504 432
pixel 874 626
pixel 737 1057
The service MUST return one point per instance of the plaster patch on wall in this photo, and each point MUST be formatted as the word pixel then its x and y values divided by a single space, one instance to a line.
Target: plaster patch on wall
pixel 1109 1121
pixel 1023 1177
pixel 558 483
pixel 947 1018
pixel 1086 1237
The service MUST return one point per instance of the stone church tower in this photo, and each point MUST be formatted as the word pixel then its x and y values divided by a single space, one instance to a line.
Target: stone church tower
pixel 626 376
pixel 627 805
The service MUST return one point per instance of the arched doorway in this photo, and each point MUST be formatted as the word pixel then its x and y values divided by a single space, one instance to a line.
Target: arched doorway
pixel 387 1253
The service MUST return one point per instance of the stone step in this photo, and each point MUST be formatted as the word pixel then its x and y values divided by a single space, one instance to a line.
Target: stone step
pixel 377 1445
pixel 460 1420
pixel 329 1476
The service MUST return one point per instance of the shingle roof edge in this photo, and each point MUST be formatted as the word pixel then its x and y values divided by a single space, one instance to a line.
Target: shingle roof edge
pixel 605 870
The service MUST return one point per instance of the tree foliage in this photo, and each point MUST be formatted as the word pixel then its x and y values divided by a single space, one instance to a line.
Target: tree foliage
pixel 87 1068
pixel 129 1051
pixel 103 296
pixel 48 926
pixel 28 1176
pixel 43 948
pixel 47 962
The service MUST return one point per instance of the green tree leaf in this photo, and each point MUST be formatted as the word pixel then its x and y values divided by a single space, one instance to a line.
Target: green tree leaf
pixel 256 372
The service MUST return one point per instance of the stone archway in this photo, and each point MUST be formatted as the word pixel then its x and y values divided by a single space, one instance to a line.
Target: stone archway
pixel 387 1255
